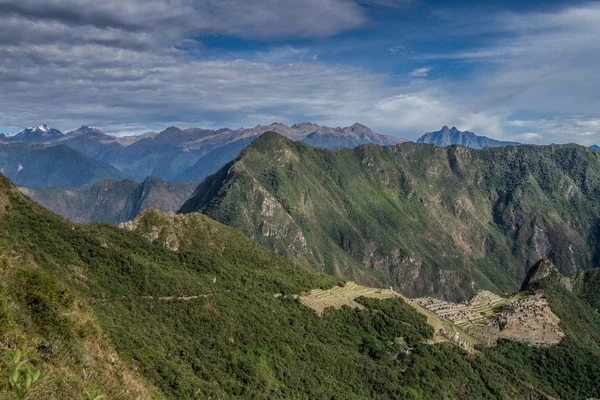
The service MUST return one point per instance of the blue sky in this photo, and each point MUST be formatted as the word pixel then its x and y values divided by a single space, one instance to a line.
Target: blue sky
pixel 515 70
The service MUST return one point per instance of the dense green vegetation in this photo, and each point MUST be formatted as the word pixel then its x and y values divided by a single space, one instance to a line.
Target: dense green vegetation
pixel 231 337
pixel 427 219
pixel 587 286
pixel 569 370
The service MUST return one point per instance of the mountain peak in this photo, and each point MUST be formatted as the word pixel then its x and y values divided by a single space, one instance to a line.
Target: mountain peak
pixel 271 136
pixel 305 125
pixel 449 136
pixel 541 270
pixel 86 130
pixel 360 128
pixel 40 134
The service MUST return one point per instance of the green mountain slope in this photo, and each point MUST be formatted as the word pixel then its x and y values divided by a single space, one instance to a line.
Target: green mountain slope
pixel 182 307
pixel 113 201
pixel 572 367
pixel 428 220
pixel 587 286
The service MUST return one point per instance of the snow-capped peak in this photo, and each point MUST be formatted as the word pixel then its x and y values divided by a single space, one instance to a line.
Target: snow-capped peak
pixel 43 128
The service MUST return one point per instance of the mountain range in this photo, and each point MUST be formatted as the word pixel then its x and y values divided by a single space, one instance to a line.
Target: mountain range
pixel 180 155
pixel 39 166
pixel 180 306
pixel 113 201
pixel 429 220
pixel 449 136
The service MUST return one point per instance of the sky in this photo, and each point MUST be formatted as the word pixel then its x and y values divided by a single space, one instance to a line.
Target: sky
pixel 514 70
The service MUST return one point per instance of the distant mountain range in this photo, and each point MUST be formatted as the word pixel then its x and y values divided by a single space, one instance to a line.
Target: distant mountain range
pixel 44 157
pixel 191 154
pixel 40 166
pixel 113 201
pixel 449 136
pixel 36 135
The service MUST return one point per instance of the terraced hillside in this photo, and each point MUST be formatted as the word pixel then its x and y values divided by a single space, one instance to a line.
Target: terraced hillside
pixel 427 220
pixel 343 296
pixel 524 318
pixel 483 320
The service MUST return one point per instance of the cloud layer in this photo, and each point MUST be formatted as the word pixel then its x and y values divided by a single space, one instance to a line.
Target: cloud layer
pixel 137 65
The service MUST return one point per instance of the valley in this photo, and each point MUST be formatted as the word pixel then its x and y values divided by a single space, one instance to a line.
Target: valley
pixel 192 307
pixel 433 221
pixel 254 200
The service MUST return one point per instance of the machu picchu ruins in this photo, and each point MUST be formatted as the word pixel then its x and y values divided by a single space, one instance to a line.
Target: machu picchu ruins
pixel 483 320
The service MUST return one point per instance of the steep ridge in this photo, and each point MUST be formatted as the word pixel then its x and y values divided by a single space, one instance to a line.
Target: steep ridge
pixel 193 308
pixel 429 220
pixel 449 136
pixel 112 201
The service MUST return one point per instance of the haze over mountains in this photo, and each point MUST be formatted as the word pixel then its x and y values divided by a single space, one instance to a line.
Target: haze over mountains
pixel 45 158
pixel 40 166
pixel 113 201
pixel 177 155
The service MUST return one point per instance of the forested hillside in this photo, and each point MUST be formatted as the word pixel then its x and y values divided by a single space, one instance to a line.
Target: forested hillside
pixel 183 307
pixel 429 220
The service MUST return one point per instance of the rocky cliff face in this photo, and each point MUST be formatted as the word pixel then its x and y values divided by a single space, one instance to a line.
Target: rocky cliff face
pixel 425 219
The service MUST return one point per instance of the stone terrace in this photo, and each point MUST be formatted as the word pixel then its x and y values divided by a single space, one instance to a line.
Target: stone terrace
pixel 340 296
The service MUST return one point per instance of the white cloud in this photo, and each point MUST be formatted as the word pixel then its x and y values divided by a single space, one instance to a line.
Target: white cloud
pixel 428 110
pixel 421 72
pixel 541 63
pixel 130 67
pixel 170 18
pixel 133 65
pixel 581 130
pixel 396 49
pixel 387 3
pixel 529 137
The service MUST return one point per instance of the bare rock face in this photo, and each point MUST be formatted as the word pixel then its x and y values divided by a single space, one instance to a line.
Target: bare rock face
pixel 276 223
pixel 163 234
pixel 541 243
